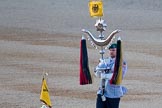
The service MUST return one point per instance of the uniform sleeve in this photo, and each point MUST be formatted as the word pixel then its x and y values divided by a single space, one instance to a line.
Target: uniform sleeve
pixel 99 73
pixel 124 69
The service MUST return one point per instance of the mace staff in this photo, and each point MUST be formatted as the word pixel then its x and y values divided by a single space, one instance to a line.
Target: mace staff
pixel 96 10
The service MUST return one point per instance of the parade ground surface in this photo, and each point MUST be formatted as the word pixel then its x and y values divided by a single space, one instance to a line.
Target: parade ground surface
pixel 39 36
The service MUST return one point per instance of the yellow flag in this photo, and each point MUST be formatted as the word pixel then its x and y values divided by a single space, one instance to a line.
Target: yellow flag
pixel 44 96
pixel 96 8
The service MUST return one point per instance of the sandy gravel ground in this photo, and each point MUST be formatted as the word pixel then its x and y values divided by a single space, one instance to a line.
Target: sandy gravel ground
pixel 26 51
pixel 25 56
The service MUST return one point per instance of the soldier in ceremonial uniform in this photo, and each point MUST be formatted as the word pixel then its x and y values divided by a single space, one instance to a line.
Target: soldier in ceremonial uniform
pixel 112 93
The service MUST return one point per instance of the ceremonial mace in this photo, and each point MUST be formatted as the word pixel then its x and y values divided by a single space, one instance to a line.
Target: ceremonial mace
pixel 100 41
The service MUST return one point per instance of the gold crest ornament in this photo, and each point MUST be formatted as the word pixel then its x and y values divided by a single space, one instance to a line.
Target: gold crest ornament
pixel 96 8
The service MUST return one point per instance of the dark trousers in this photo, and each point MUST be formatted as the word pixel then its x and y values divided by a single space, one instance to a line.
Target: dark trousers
pixel 109 103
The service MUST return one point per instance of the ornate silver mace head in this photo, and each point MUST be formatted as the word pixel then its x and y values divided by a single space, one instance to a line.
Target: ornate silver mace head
pixel 101 26
pixel 101 42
